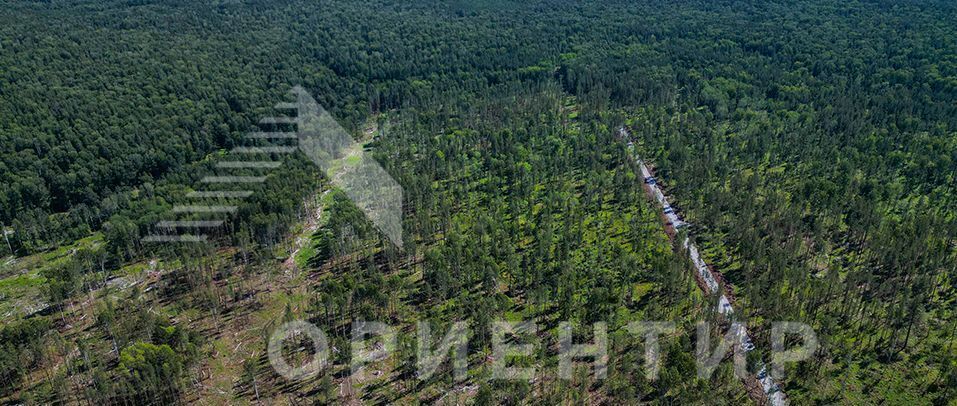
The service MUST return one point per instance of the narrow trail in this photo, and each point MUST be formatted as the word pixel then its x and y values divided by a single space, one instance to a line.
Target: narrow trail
pixel 761 387
pixel 310 227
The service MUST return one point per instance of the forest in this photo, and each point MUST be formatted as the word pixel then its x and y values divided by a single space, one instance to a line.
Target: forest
pixel 811 145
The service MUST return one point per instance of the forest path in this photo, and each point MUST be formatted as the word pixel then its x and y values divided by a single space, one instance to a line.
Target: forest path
pixel 309 227
pixel 768 392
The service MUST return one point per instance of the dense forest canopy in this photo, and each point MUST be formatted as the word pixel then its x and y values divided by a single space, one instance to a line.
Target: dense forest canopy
pixel 136 90
pixel 811 144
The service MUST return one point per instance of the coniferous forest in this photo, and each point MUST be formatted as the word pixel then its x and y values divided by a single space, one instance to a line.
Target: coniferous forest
pixel 810 145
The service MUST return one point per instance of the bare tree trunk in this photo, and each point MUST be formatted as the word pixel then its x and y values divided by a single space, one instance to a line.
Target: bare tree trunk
pixel 7 239
pixel 256 389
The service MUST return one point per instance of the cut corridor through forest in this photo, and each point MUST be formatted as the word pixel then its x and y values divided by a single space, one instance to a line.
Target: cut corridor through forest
pixel 769 391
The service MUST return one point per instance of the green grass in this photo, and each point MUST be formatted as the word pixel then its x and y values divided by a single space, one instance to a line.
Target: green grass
pixel 134 269
pixel 352 160
pixel 22 280
pixel 19 282
pixel 306 253
pixel 641 289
